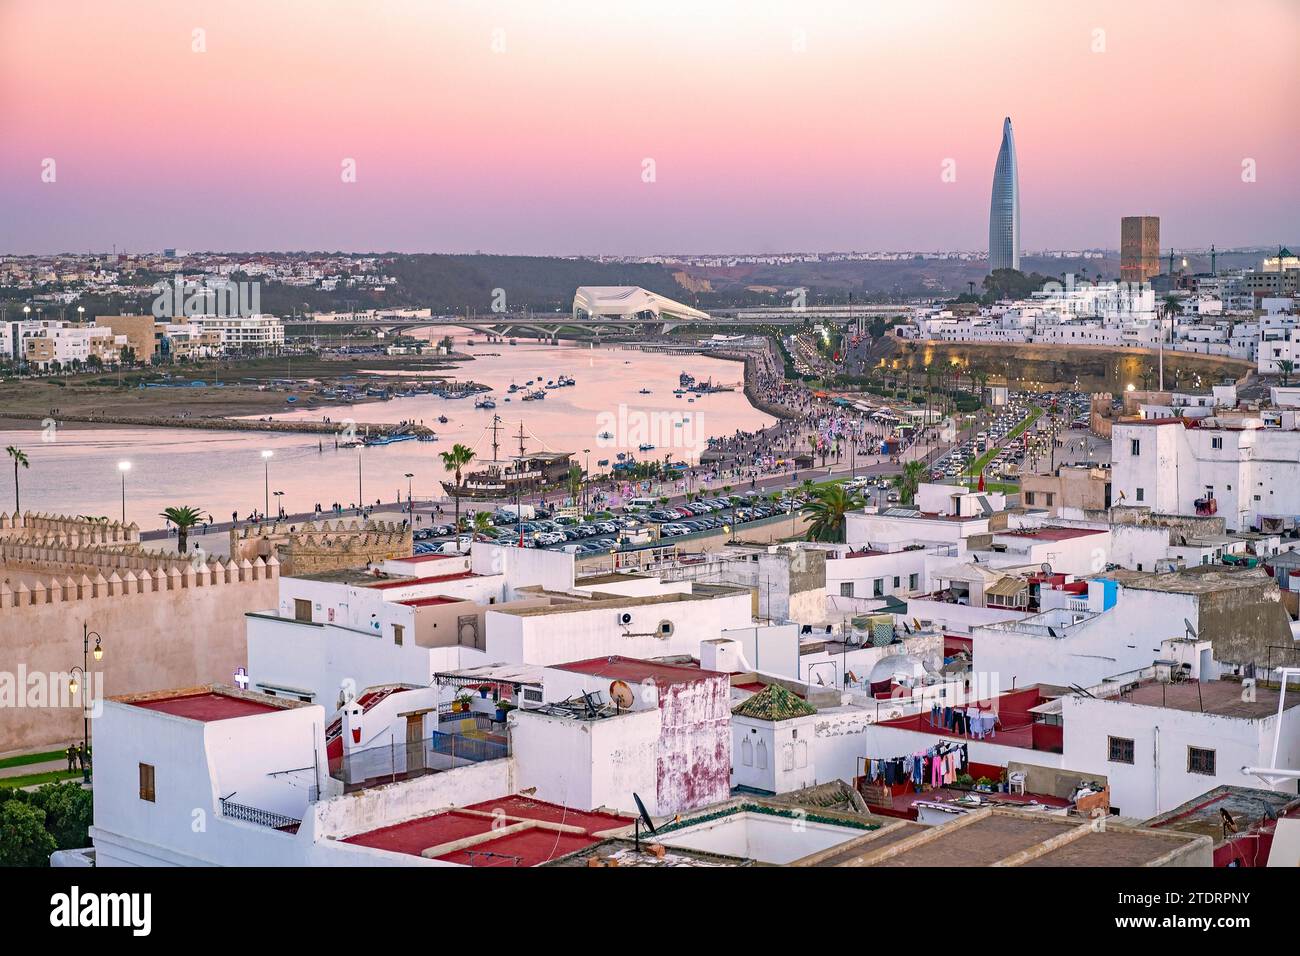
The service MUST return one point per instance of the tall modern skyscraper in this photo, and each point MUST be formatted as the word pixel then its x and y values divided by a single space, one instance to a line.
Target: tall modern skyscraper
pixel 1004 211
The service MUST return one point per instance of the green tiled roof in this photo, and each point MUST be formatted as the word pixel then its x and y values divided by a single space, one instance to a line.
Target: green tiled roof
pixel 774 703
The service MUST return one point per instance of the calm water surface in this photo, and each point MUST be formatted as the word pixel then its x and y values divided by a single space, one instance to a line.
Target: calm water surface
pixel 221 472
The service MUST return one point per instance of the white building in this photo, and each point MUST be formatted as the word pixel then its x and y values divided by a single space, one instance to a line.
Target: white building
pixel 1234 468
pixel 252 333
pixel 1162 743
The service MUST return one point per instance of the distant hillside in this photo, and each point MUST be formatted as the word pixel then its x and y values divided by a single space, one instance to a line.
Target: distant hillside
pixel 457 282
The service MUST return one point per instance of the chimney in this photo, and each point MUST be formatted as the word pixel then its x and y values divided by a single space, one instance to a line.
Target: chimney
pixel 722 654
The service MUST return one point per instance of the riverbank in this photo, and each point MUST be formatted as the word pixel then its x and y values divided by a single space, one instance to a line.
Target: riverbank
pixel 232 396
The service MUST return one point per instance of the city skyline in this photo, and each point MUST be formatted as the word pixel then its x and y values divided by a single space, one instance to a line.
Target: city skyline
pixel 837 129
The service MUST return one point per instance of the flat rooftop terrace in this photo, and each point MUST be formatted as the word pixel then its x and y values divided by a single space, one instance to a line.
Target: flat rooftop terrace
pixel 1219 697
pixel 535 833
pixel 208 703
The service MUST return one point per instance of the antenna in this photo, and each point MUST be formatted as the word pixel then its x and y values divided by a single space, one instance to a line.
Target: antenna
pixel 1191 631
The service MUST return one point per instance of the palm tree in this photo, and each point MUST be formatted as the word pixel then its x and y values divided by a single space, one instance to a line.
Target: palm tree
pixel 454 461
pixel 575 483
pixel 184 517
pixel 826 510
pixel 20 458
pixel 909 481
pixel 482 524
pixel 1286 367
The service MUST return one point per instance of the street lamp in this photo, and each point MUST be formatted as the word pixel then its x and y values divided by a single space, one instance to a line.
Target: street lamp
pixel 74 685
pixel 266 481
pixel 279 504
pixel 586 477
pixel 123 467
pixel 410 503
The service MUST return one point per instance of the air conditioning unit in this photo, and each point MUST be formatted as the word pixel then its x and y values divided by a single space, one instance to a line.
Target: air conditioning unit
pixel 624 618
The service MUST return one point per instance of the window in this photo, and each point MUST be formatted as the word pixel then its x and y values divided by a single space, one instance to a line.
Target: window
pixel 896 581
pixel 1134 447
pixel 1200 761
pixel 1029 497
pixel 146 782
pixel 1141 493
pixel 1121 750
pixel 398 633
pixel 1216 441
pixel 846 589
pixel 913 582
pixel 301 610
pixel 878 588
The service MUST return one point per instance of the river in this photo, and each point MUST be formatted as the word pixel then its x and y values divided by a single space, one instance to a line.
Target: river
pixel 75 470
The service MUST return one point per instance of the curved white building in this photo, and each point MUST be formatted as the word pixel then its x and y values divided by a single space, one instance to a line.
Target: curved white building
pixel 1004 210
pixel 627 302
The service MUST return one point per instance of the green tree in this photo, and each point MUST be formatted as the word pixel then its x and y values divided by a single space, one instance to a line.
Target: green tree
pixel 908 481
pixel 24 841
pixel 454 461
pixel 826 510
pixel 184 517
pixel 20 458
pixel 482 523
pixel 1286 367
pixel 69 811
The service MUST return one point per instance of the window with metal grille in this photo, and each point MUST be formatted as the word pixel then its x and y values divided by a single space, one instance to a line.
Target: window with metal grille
pixel 1200 761
pixel 1121 750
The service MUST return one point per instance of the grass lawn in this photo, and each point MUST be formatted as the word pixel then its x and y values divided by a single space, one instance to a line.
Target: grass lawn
pixel 35 779
pixel 23 760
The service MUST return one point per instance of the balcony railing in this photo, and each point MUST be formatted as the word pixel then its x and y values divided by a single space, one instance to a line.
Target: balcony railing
pixel 263 818
pixel 403 760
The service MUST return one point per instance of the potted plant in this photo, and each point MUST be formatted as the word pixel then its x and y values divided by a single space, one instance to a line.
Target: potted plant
pixel 984 784
pixel 503 707
pixel 461 703
pixel 484 690
pixel 1003 785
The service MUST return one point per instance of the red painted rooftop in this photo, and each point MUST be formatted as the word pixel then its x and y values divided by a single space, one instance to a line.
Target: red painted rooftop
pixel 523 848
pixel 431 579
pixel 421 558
pixel 207 707
pixel 430 601
pixel 639 671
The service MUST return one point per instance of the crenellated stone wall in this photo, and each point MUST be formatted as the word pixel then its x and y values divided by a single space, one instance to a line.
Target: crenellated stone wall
pixel 312 548
pixel 164 620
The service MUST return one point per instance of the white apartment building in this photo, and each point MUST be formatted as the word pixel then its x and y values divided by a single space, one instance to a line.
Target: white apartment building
pixel 1161 742
pixel 1237 469
pixel 254 333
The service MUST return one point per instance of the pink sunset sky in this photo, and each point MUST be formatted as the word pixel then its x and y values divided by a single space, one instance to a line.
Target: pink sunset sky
pixel 522 126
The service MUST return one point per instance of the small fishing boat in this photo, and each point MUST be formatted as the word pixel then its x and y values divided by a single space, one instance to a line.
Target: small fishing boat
pixel 484 403
pixel 606 435
pixel 443 419
pixel 645 391
pixel 645 447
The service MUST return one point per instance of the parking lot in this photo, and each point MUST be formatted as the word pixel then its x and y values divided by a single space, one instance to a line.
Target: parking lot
pixel 607 531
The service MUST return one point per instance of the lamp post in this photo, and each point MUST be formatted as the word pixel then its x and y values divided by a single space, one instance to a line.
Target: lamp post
pixel 410 502
pixel 73 686
pixel 266 481
pixel 124 467
pixel 586 477
pixel 279 504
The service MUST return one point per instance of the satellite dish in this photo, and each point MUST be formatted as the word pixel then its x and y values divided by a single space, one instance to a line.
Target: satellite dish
pixel 1046 568
pixel 645 815
pixel 621 694
pixel 1190 629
